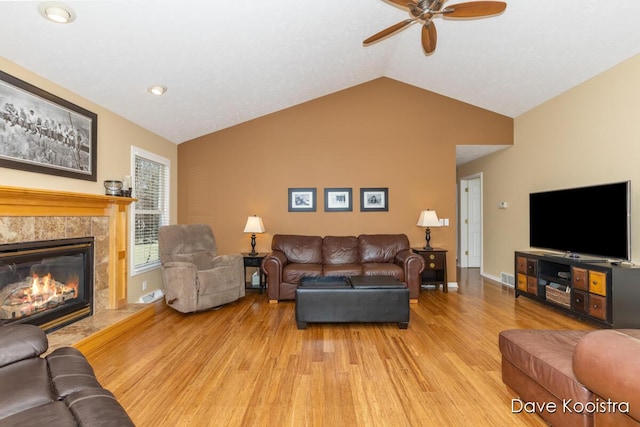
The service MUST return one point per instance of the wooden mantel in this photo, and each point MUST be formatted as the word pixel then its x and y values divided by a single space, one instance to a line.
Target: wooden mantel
pixel 28 202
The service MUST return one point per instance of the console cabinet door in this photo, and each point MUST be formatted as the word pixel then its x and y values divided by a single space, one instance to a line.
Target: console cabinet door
pixel 579 278
pixel 522 282
pixel 598 306
pixel 532 285
pixel 580 301
pixel 598 282
pixel 532 267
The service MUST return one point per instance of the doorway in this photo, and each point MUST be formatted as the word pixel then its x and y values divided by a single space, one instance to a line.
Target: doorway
pixel 470 220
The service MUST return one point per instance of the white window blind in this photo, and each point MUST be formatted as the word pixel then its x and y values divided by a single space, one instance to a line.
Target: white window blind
pixel 151 210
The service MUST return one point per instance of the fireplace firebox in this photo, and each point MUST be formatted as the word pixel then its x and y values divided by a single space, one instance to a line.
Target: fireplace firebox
pixel 46 283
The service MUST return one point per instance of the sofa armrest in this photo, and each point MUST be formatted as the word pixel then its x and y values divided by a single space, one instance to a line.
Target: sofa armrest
pixel 227 273
pixel 272 265
pixel 20 342
pixel 179 280
pixel 607 363
pixel 230 260
pixel 413 265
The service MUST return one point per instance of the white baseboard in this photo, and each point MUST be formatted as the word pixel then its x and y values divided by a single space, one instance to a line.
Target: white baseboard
pixel 450 285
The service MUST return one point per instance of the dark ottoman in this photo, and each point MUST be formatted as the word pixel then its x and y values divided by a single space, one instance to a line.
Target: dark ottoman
pixel 356 299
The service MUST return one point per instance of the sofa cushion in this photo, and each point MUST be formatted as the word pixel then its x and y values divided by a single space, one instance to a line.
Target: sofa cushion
pixel 381 247
pixel 546 357
pixel 341 270
pixel 193 243
pixel 292 273
pixel 54 414
pixel 24 385
pixel 383 269
pixel 299 249
pixel 340 250
pixel 70 371
pixel 20 341
pixel 97 407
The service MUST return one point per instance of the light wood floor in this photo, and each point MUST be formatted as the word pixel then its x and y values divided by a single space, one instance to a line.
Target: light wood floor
pixel 247 364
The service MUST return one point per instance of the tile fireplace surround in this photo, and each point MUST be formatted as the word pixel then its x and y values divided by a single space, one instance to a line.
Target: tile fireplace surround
pixel 31 215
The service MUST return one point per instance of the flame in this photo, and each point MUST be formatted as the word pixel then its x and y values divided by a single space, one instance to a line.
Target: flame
pixel 37 293
pixel 73 283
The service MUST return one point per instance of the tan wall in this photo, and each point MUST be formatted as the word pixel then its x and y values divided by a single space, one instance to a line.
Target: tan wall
pixel 115 138
pixel 379 134
pixel 588 135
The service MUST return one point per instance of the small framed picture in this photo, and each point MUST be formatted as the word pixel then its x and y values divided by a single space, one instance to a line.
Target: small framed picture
pixel 338 200
pixel 374 199
pixel 302 200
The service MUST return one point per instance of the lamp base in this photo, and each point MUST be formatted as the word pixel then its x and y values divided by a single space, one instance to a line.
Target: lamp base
pixel 253 245
pixel 427 237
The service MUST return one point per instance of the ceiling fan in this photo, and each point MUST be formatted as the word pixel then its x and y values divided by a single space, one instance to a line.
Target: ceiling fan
pixel 425 10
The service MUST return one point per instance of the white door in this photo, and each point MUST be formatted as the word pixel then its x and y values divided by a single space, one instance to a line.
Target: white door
pixel 471 222
pixel 474 214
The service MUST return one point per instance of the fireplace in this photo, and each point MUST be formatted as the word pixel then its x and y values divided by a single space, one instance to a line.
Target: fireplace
pixel 46 283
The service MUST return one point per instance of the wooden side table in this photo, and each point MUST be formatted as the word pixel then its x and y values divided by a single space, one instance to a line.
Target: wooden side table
pixel 435 270
pixel 254 261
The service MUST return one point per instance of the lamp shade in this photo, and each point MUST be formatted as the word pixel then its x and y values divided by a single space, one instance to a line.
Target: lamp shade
pixel 428 219
pixel 254 225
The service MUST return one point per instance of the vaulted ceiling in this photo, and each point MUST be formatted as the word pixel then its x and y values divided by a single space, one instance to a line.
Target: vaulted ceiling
pixel 228 62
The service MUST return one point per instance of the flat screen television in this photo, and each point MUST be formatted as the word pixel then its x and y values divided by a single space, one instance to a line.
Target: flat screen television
pixel 592 220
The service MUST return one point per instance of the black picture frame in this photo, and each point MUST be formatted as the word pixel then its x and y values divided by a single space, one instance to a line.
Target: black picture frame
pixel 374 199
pixel 338 200
pixel 302 199
pixel 43 133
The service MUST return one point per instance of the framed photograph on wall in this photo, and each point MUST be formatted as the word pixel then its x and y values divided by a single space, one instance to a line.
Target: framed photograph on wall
pixel 338 200
pixel 374 199
pixel 40 132
pixel 302 200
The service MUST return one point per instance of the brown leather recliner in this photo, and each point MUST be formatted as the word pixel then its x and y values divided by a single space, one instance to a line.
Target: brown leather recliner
pixel 295 256
pixel 57 390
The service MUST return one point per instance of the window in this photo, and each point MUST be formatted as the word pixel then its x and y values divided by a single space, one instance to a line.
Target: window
pixel 151 210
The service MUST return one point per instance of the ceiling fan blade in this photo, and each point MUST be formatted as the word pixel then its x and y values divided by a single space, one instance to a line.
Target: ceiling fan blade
pixel 387 31
pixel 474 9
pixel 403 3
pixel 429 37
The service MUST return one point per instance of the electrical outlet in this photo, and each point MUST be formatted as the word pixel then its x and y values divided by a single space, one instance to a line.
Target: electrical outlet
pixel 144 285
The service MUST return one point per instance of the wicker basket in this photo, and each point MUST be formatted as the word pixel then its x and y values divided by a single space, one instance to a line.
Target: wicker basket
pixel 559 297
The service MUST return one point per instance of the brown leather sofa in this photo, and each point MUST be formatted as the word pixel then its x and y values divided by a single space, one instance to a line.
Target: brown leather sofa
pixel 574 378
pixel 54 391
pixel 294 257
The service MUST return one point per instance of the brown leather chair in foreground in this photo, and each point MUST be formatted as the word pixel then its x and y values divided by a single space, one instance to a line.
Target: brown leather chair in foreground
pixel 60 389
pixel 195 278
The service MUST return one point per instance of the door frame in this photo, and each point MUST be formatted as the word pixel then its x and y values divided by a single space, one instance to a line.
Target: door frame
pixel 462 213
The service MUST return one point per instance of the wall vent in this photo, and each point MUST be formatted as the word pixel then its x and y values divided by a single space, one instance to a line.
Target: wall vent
pixel 151 297
pixel 507 279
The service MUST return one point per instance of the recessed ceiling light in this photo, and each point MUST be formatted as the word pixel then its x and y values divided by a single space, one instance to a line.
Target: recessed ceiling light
pixel 56 12
pixel 157 90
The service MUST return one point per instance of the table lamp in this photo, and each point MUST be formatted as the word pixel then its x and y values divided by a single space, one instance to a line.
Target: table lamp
pixel 254 225
pixel 427 220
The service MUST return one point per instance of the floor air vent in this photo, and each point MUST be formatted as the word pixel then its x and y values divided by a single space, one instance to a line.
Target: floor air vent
pixel 507 279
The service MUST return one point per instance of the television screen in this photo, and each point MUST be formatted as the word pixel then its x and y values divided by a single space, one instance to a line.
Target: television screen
pixel 591 220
